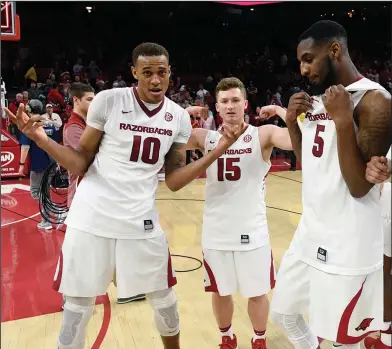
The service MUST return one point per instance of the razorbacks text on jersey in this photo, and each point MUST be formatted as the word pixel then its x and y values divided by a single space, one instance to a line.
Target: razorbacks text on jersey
pixel 235 211
pixel 116 198
pixel 337 233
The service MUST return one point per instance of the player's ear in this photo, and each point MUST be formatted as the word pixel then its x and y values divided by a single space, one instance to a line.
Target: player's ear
pixel 217 107
pixel 133 69
pixel 335 50
pixel 169 71
pixel 246 104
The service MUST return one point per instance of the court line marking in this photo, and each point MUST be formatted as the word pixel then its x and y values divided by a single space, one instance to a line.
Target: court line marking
pixel 107 311
pixel 21 220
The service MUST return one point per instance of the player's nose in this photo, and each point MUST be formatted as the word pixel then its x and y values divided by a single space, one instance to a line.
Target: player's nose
pixel 304 69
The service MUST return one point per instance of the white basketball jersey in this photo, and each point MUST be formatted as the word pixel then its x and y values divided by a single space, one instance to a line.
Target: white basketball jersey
pixel 337 233
pixel 116 198
pixel 235 212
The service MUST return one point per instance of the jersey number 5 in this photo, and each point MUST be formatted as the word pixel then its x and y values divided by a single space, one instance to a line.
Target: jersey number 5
pixel 318 146
pixel 150 149
pixel 228 170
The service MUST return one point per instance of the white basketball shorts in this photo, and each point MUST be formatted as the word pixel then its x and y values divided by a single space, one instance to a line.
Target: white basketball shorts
pixel 385 202
pixel 344 309
pixel 251 271
pixel 87 263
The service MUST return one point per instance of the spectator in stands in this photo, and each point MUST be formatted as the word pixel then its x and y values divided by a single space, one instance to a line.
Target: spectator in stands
pixel 201 93
pixel 31 75
pixel 39 160
pixel 209 119
pixel 13 106
pixel 56 99
pixel 54 118
pixel 93 72
pixel 120 82
pixel 78 68
pixel 26 98
pixel 33 90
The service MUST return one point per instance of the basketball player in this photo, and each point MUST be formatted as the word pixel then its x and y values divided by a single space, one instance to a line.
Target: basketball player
pixel 235 238
pixel 113 222
pixel 333 268
pixel 379 171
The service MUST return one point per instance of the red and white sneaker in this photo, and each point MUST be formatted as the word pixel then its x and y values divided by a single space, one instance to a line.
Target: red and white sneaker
pixel 260 343
pixel 375 343
pixel 228 343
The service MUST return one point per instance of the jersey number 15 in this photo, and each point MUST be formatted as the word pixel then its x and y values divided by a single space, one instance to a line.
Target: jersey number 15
pixel 228 170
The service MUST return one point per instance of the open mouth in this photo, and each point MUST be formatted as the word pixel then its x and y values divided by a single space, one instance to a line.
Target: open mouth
pixel 155 91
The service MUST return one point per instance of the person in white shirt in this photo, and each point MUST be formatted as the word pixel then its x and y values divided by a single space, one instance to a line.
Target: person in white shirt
pixel 201 93
pixel 333 267
pixel 53 118
pixel 235 238
pixel 113 222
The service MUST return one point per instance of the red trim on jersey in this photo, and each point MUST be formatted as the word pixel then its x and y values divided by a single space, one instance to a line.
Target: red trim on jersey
pixel 149 113
pixel 213 286
pixel 57 281
pixel 272 273
pixel 343 337
pixel 171 279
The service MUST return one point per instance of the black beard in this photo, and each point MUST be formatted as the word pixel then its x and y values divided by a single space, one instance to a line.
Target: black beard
pixel 329 80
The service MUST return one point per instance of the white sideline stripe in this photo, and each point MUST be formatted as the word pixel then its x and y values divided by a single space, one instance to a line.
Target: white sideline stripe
pixel 20 220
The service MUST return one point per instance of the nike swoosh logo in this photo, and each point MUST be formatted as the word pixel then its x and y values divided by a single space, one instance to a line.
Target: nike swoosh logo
pixel 212 142
pixel 126 112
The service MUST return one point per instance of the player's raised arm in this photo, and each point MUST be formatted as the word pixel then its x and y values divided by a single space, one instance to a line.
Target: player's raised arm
pixel 373 115
pixel 76 161
pixel 177 175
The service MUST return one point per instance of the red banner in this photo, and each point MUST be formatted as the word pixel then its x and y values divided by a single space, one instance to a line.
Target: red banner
pixel 10 155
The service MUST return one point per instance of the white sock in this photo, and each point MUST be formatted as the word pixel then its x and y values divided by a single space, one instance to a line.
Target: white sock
pixel 258 335
pixel 228 331
pixel 386 338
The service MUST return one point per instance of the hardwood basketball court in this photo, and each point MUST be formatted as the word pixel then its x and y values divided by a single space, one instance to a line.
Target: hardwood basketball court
pixel 29 259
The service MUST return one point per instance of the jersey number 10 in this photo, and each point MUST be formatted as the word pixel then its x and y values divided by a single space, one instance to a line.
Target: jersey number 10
pixel 150 149
pixel 227 170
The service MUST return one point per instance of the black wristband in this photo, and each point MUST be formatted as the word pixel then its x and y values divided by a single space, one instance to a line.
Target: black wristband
pixel 21 164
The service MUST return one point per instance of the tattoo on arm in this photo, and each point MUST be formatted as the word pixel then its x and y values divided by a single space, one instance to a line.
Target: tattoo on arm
pixel 175 158
pixel 375 124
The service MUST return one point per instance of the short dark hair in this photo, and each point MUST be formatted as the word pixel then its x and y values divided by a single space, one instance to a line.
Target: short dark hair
pixel 229 83
pixel 148 49
pixel 325 31
pixel 78 89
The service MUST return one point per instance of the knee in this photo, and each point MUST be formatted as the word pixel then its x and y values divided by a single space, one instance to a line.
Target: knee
pixel 258 299
pixel 77 314
pixel 164 304
pixel 287 322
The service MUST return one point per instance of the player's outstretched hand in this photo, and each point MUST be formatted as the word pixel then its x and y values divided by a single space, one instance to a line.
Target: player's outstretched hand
pixel 31 127
pixel 377 170
pixel 267 112
pixel 299 103
pixel 231 133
